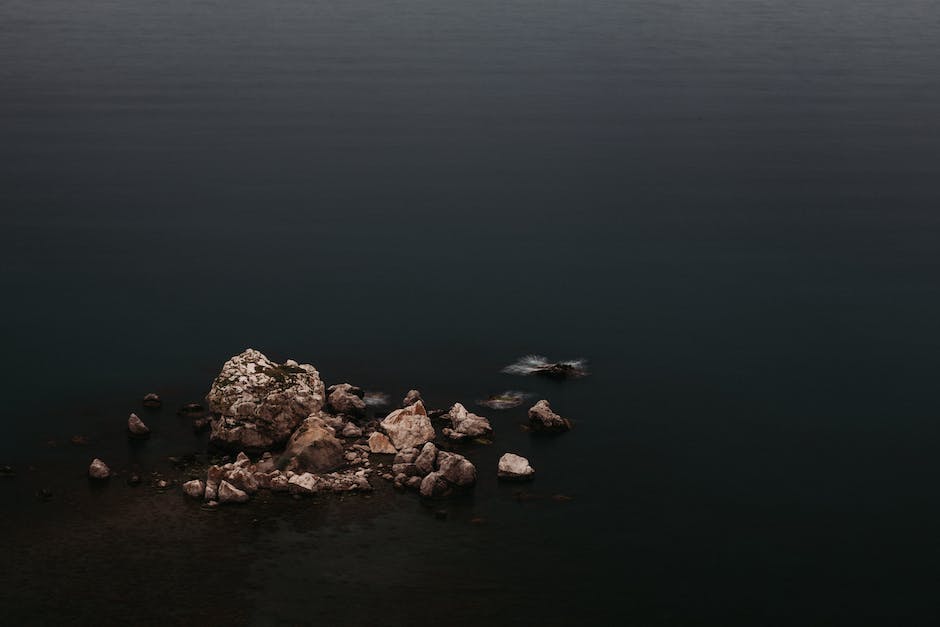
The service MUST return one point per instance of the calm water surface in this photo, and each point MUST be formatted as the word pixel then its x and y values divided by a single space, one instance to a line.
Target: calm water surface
pixel 730 208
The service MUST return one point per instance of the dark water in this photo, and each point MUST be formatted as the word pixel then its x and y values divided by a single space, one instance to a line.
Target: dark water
pixel 730 208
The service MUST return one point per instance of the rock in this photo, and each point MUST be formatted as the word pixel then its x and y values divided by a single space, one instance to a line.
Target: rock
pixel 379 443
pixel 305 483
pixel 242 479
pixel 314 448
pixel 152 400
pixel 191 409
pixel 201 424
pixel 98 469
pixel 133 480
pixel 346 399
pixel 195 489
pixel 161 484
pixel 407 470
pixel 230 494
pixel 424 462
pixel 504 400
pixel 456 469
pixel 413 483
pixel 136 426
pixel 351 431
pixel 539 365
pixel 259 403
pixel 435 486
pixel 542 418
pixel 466 424
pixel 409 426
pixel 512 466
pixel 412 397
pixel 406 456
pixel 213 479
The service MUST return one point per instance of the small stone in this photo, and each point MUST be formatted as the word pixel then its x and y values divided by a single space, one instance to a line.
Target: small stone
pixel 152 400
pixel 133 480
pixel 512 466
pixel 195 488
pixel 230 494
pixel 98 470
pixel 380 444
pixel 542 418
pixel 136 426
pixel 412 397
pixel 350 430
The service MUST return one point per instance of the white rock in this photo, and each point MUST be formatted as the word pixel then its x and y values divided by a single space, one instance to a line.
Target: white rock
pixel 512 466
pixel 409 427
pixel 98 469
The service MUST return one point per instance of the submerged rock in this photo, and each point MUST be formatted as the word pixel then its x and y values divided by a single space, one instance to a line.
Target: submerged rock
pixel 230 494
pixel 195 489
pixel 466 424
pixel 412 397
pixel 542 418
pixel 375 399
pixel 512 466
pixel 259 403
pixel 314 447
pixel 136 426
pixel 98 469
pixel 379 443
pixel 409 427
pixel 152 400
pixel 191 409
pixel 346 399
pixel 504 400
pixel 537 364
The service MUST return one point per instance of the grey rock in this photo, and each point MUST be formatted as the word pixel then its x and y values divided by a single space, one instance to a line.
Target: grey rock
pixel 512 466
pixel 542 418
pixel 98 469
pixel 346 399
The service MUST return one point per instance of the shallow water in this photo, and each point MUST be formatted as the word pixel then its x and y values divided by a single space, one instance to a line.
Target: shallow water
pixel 728 208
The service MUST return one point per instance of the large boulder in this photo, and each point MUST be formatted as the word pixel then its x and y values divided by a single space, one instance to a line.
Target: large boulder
pixel 409 427
pixel 346 399
pixel 258 403
pixel 512 466
pixel 542 418
pixel 314 447
pixel 465 424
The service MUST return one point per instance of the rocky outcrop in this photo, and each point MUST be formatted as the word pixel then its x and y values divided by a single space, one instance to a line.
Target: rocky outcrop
pixel 346 399
pixel 313 448
pixel 515 467
pixel 230 494
pixel 136 427
pixel 409 427
pixel 257 403
pixel 98 469
pixel 433 473
pixel 542 418
pixel 379 443
pixel 465 424
pixel 195 488
pixel 412 397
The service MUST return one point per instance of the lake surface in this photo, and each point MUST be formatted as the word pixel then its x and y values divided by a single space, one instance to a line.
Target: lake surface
pixel 730 208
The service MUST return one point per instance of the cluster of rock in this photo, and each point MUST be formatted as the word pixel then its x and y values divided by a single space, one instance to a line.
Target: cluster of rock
pixel 237 481
pixel 432 472
pixel 306 438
